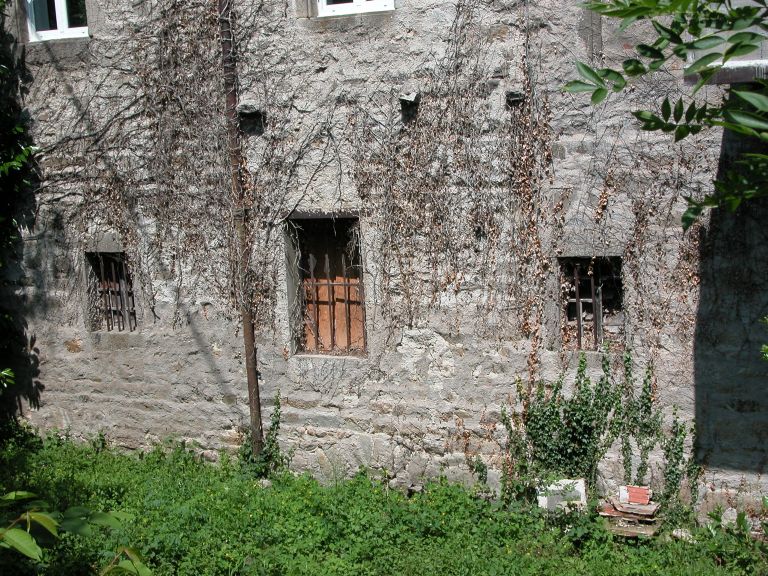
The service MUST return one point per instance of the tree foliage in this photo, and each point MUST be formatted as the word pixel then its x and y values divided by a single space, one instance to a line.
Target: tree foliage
pixel 705 35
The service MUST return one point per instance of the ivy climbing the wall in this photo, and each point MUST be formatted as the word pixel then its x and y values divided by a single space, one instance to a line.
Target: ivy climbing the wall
pixel 551 434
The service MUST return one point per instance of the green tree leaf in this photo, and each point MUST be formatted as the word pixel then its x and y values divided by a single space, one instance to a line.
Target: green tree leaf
pixel 79 526
pixel 747 119
pixel 681 132
pixel 666 109
pixel 77 512
pixel 678 112
pixel 578 86
pixel 104 519
pixel 588 73
pixel 739 50
pixel 613 76
pixel 649 119
pixel 745 37
pixel 45 520
pixel 599 95
pixel 690 113
pixel 22 541
pixel 759 101
pixel 743 23
pixel 650 52
pixel 702 63
pixel 707 42
pixel 666 33
pixel 633 67
pixel 18 495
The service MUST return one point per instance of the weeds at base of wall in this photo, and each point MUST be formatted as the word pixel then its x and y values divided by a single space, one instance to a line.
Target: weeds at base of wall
pixel 193 518
pixel 272 459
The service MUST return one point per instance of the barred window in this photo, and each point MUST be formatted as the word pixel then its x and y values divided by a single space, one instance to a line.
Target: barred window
pixel 593 295
pixel 326 282
pixel 111 303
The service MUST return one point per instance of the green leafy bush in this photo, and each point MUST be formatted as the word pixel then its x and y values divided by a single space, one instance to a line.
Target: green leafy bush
pixel 272 460
pixel 192 518
pixel 552 435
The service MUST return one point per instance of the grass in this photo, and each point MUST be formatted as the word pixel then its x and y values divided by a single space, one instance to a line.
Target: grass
pixel 193 518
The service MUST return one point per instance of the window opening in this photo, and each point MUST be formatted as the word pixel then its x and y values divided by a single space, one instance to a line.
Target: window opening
pixel 110 293
pixel 52 19
pixel 330 303
pixel 593 298
pixel 409 106
pixel 513 99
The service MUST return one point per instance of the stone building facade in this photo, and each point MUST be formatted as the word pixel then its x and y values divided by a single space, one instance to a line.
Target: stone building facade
pixel 432 137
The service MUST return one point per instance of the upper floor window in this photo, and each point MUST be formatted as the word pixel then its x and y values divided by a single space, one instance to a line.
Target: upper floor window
pixel 347 7
pixel 53 19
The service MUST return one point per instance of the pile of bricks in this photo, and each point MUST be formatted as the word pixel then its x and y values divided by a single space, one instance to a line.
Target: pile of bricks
pixel 633 513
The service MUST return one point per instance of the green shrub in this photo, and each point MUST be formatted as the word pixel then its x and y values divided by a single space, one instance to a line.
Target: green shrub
pixel 552 435
pixel 272 460
pixel 193 518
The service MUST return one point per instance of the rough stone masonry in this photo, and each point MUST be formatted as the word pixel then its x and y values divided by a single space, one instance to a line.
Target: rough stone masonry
pixel 425 391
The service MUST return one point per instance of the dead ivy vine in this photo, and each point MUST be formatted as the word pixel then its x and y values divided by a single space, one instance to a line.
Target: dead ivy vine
pixel 158 173
pixel 458 196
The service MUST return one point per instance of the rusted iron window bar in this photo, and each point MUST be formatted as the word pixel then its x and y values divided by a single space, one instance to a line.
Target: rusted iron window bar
pixel 312 287
pixel 115 294
pixel 593 297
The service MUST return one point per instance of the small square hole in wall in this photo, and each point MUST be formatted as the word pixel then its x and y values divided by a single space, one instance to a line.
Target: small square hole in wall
pixel 325 284
pixel 514 99
pixel 111 304
pixel 409 107
pixel 253 122
pixel 592 303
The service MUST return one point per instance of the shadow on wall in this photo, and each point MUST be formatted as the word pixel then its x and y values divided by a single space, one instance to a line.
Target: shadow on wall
pixel 731 378
pixel 17 210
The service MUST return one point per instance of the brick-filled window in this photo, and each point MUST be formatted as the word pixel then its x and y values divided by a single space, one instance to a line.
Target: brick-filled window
pixel 592 295
pixel 111 304
pixel 326 281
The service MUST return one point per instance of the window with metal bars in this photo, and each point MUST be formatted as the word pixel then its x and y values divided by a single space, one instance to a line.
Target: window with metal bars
pixel 326 282
pixel 593 295
pixel 111 303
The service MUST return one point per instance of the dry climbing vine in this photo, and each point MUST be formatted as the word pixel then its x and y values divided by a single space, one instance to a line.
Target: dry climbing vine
pixel 158 173
pixel 458 195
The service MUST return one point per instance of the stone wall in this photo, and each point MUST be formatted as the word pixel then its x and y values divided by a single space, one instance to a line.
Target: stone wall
pixel 406 405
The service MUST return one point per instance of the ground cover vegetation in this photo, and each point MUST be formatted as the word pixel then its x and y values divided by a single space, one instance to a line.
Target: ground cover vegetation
pixel 185 516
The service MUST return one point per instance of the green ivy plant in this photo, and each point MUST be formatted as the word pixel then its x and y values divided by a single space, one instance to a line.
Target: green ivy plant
pixel 640 423
pixel 271 460
pixel 554 435
pixel 570 435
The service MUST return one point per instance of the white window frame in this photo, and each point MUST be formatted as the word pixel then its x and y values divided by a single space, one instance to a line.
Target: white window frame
pixel 62 24
pixel 325 10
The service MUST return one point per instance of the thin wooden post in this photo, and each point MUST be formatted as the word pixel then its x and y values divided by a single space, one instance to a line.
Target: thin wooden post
pixel 229 71
pixel 346 300
pixel 579 326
